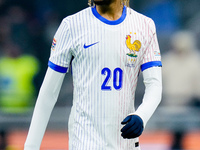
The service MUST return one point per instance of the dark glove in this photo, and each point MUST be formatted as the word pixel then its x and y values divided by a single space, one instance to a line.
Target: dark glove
pixel 133 127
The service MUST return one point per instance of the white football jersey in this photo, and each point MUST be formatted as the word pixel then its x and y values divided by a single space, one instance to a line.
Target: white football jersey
pixel 106 58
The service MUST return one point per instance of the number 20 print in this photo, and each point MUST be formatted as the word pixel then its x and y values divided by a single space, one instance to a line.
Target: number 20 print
pixel 117 78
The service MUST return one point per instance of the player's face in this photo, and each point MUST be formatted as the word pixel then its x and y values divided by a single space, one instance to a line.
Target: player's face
pixel 103 2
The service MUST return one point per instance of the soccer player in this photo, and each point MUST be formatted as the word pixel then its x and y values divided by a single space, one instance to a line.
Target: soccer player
pixel 108 44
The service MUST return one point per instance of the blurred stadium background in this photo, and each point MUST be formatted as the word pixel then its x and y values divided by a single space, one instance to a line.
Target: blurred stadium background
pixel 26 33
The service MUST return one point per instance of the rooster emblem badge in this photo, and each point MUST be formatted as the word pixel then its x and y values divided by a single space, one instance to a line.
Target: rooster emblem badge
pixel 133 47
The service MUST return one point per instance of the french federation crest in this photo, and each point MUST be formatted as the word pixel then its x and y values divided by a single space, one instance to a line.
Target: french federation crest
pixel 133 47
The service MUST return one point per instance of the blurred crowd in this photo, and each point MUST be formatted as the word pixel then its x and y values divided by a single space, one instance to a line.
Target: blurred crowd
pixel 26 33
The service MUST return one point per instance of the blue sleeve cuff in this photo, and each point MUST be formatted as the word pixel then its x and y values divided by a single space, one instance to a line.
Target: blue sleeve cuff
pixel 57 68
pixel 151 64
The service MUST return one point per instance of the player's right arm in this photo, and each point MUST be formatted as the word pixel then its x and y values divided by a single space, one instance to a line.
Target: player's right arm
pixel 45 103
pixel 59 62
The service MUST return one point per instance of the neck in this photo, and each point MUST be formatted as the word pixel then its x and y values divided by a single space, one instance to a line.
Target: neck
pixel 112 11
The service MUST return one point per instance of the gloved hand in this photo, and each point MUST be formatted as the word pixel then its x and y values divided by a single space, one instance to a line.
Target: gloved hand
pixel 133 127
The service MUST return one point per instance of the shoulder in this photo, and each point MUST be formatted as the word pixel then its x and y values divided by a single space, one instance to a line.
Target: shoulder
pixel 78 16
pixel 142 20
pixel 76 21
pixel 72 22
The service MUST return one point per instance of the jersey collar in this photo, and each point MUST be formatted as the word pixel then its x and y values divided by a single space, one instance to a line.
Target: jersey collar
pixel 115 22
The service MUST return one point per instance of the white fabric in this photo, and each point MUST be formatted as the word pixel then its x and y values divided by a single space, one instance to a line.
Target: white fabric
pixel 153 93
pixel 97 112
pixel 106 64
pixel 46 100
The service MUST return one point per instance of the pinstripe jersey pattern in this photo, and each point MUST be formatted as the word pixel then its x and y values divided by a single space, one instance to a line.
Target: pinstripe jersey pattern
pixel 105 72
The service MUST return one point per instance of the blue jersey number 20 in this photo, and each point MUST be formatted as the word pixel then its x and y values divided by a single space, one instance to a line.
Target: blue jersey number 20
pixel 117 78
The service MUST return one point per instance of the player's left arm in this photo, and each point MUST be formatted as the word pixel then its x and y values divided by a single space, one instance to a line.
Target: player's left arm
pixel 153 93
pixel 136 122
pixel 152 74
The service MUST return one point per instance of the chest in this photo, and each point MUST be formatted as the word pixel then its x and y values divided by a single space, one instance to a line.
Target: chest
pixel 110 43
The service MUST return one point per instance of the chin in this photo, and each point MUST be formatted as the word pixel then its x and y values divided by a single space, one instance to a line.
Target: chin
pixel 102 2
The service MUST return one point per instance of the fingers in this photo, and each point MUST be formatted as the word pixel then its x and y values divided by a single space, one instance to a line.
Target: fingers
pixel 133 134
pixel 127 119
pixel 133 127
pixel 129 131
pixel 129 125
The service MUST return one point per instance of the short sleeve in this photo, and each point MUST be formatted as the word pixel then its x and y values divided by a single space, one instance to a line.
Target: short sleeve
pixel 152 56
pixel 60 57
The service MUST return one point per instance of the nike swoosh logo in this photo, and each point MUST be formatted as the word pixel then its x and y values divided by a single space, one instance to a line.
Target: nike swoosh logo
pixel 87 46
